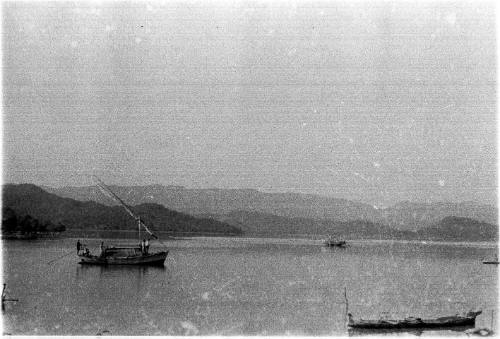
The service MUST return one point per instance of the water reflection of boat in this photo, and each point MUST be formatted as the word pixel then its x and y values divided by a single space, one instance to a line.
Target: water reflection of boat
pixel 468 319
pixel 123 255
pixel 334 242
pixel 118 271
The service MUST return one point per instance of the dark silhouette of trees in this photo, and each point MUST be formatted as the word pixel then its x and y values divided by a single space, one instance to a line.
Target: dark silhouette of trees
pixel 12 223
pixel 59 228
pixel 9 220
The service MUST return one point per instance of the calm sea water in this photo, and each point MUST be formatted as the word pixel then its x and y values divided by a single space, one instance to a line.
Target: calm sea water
pixel 242 286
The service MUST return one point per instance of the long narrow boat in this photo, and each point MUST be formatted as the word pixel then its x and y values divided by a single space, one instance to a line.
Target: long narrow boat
pixel 468 319
pixel 492 261
pixel 332 242
pixel 123 255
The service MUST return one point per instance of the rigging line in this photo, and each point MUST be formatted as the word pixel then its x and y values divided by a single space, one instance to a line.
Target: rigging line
pixel 161 242
pixel 109 192
pixel 106 193
pixel 103 186
pixel 147 230
pixel 64 255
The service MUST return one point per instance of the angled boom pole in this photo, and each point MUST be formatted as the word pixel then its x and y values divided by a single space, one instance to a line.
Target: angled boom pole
pixel 102 186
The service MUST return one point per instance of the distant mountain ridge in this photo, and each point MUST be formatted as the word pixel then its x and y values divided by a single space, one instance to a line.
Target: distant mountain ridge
pixel 450 228
pixel 454 228
pixel 414 216
pixel 33 200
pixel 90 215
pixel 255 223
pixel 221 201
pixel 404 216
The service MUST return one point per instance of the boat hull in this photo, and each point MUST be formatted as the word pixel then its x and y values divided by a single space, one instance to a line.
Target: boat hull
pixel 423 324
pixel 147 259
pixel 335 244
pixel 442 322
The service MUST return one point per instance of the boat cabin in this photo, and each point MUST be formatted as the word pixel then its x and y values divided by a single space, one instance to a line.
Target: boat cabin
pixel 127 251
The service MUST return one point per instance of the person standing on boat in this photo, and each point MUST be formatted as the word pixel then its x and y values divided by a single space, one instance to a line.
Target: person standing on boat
pixel 146 246
pixel 102 248
pixel 78 247
pixel 143 245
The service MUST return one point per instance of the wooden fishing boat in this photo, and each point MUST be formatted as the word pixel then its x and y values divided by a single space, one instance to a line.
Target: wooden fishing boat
pixel 123 255
pixel 491 262
pixel 126 255
pixel 332 242
pixel 468 319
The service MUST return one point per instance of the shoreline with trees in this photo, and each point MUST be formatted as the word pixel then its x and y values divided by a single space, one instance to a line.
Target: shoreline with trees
pixel 16 226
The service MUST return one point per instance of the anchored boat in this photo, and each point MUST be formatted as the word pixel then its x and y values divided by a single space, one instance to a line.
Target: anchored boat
pixel 468 319
pixel 451 322
pixel 333 242
pixel 123 255
pixel 491 262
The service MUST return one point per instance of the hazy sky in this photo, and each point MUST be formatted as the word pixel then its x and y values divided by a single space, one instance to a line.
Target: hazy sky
pixel 376 101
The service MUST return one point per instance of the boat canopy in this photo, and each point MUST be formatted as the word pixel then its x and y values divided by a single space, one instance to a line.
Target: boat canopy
pixel 122 251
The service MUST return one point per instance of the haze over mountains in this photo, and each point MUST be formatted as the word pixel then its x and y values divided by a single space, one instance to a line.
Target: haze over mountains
pixel 403 216
pixel 446 229
pixel 27 199
pixel 91 215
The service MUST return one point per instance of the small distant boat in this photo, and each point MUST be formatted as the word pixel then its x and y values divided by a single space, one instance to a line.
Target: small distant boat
pixel 333 242
pixel 492 262
pixel 469 319
pixel 123 255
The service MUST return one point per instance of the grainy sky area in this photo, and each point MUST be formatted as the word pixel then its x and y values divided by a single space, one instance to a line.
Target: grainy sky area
pixel 376 101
